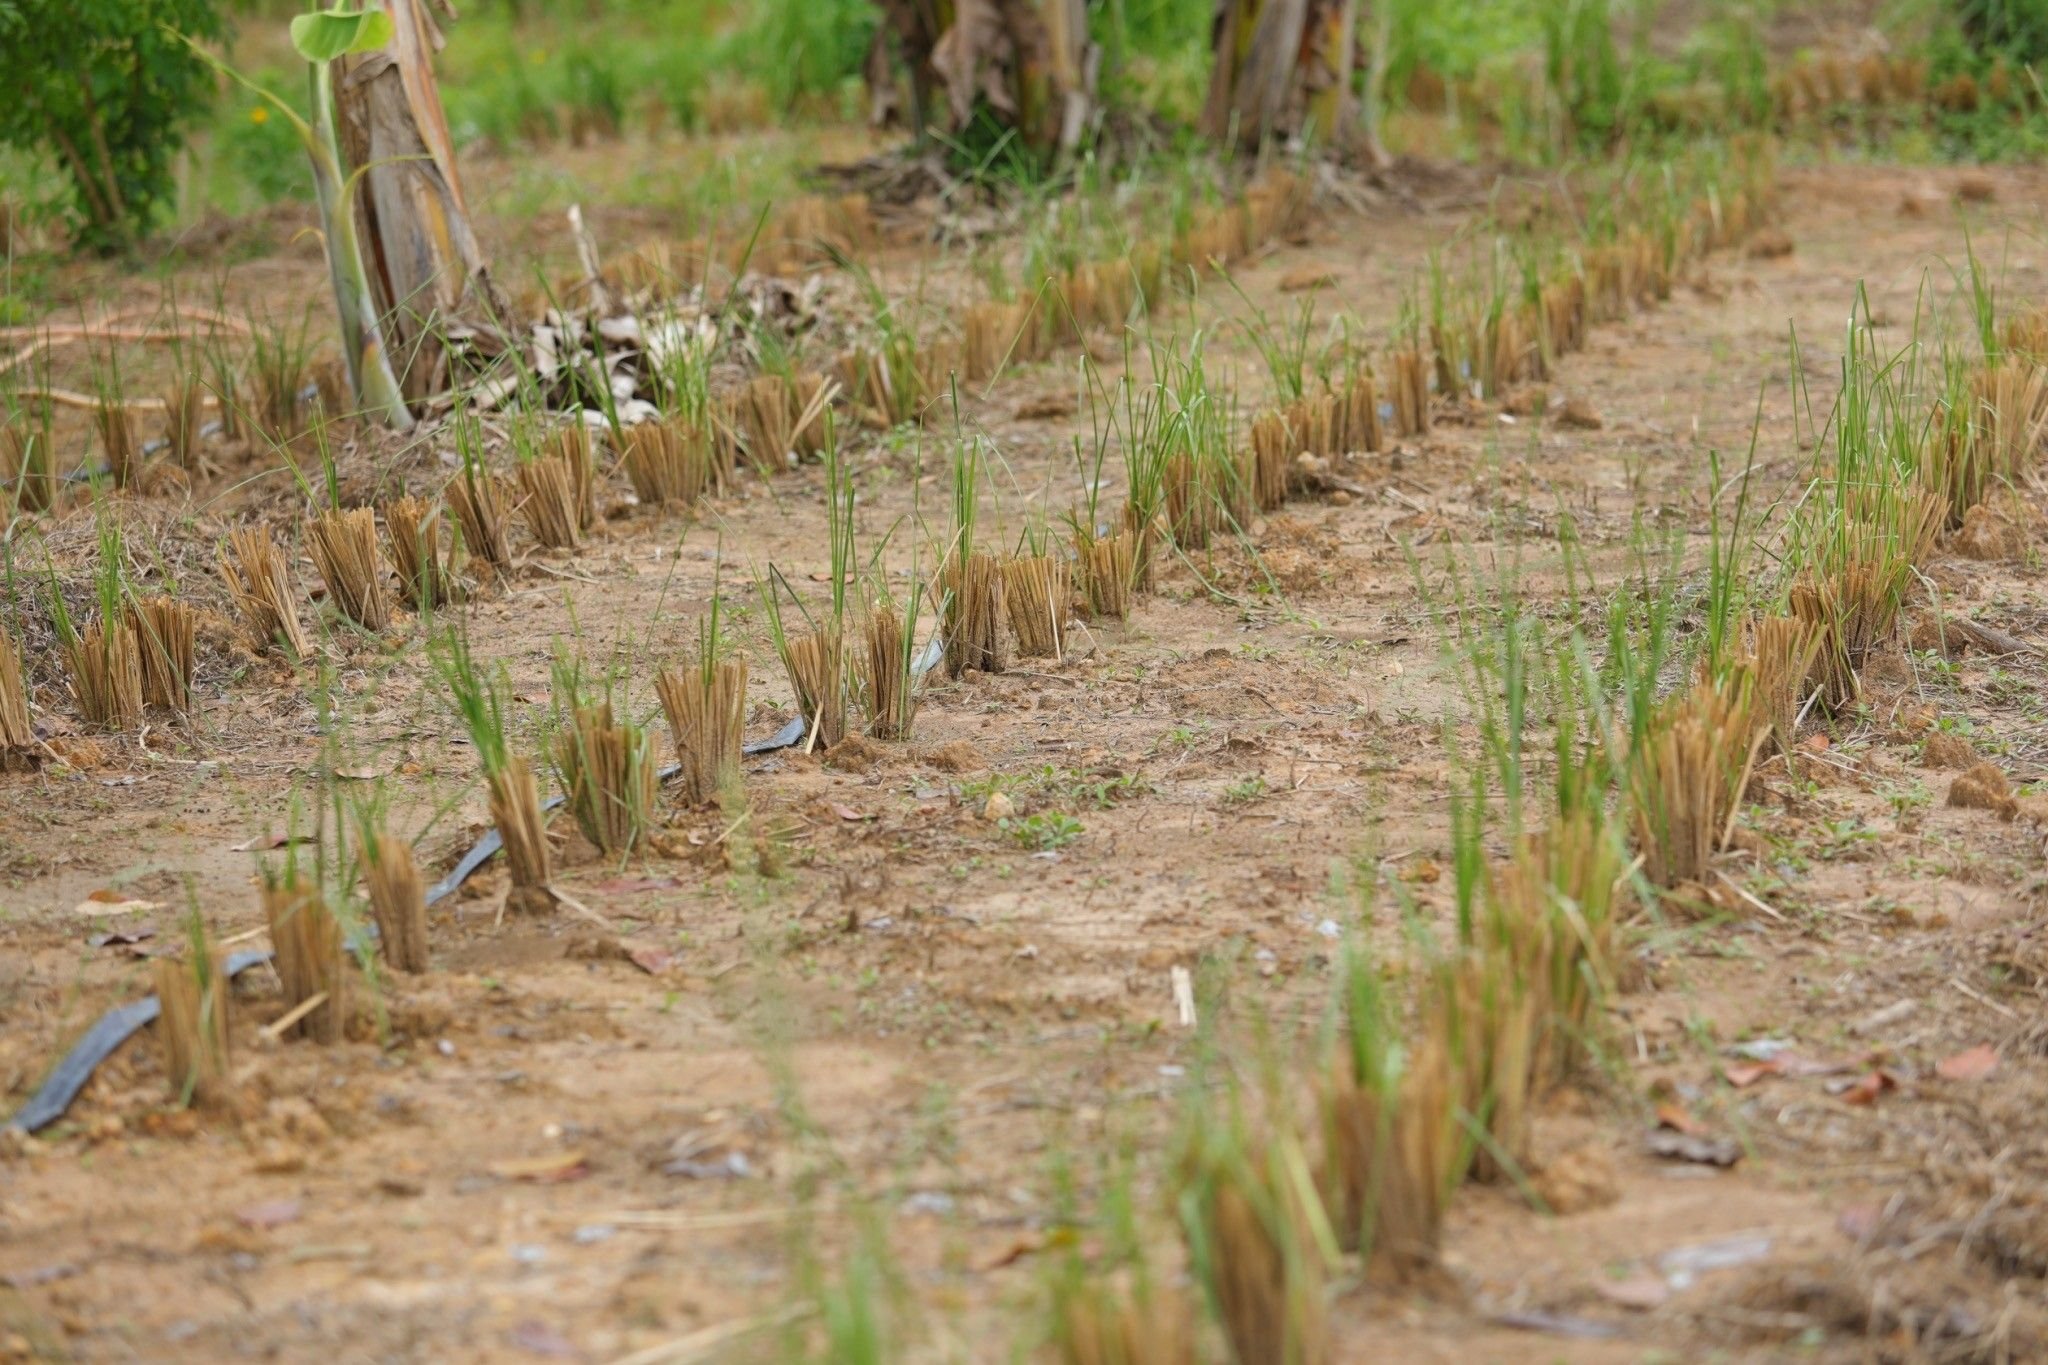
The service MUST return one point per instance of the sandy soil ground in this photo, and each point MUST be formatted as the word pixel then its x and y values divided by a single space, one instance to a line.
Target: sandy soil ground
pixel 909 1021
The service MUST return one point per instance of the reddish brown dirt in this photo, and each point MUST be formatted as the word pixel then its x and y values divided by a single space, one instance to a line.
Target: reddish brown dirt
pixel 918 1018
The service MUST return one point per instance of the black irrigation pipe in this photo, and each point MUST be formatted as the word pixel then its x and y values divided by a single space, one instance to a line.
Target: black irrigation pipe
pixel 123 1022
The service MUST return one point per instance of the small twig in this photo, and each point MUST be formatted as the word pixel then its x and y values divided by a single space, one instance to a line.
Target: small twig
pixel 276 1030
pixel 1750 896
pixel 1984 1000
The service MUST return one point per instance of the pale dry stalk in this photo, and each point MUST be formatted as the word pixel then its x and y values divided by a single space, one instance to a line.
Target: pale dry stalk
pixel 344 548
pixel 259 580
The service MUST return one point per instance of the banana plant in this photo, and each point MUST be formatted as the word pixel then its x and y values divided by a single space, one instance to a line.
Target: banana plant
pixel 322 37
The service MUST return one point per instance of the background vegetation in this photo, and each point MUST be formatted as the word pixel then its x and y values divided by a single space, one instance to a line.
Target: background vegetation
pixel 1526 79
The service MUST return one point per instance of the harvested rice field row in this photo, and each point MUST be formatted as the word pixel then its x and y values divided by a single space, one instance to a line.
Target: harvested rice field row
pixel 900 1025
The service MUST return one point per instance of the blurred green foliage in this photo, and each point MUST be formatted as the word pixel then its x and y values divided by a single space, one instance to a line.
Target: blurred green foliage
pixel 103 89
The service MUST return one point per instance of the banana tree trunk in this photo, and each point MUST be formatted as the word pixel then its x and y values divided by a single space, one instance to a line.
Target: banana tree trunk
pixel 1280 67
pixel 425 269
pixel 1029 63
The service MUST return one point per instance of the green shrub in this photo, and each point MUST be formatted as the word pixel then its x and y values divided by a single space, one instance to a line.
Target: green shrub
pixel 106 89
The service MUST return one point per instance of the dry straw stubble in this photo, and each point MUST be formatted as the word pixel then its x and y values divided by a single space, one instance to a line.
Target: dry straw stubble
pixel 306 938
pixel 344 547
pixel 398 900
pixel 668 463
pixel 192 1022
pixel 608 776
pixel 17 735
pixel 549 498
pixel 706 707
pixel 259 580
pixel 1036 590
pixel 415 532
pixel 478 501
pixel 106 674
pixel 516 814
pixel 165 631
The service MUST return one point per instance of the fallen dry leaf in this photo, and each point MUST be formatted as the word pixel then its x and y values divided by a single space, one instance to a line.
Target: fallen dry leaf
pixel 543 1170
pixel 1010 1252
pixel 104 902
pixel 648 957
pixel 1749 1073
pixel 1971 1064
pixel 1674 1116
pixel 1706 1151
pixel 1306 277
pixel 622 885
pixel 537 1338
pixel 122 938
pixel 849 813
pixel 268 841
pixel 1868 1088
pixel 271 1213
pixel 1642 1291
pixel 1860 1221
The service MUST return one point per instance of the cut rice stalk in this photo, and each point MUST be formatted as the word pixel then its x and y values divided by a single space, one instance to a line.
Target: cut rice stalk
pixel 106 675
pixel 259 580
pixel 16 734
pixel 184 402
pixel 972 612
pixel 306 938
pixel 478 502
pixel 575 447
pixel 116 428
pixel 706 706
pixel 28 460
pixel 194 997
pixel 888 683
pixel 515 811
pixel 1687 774
pixel 398 900
pixel 1782 654
pixel 344 548
pixel 165 631
pixel 1107 569
pixel 549 496
pixel 668 462
pixel 415 532
pixel 816 666
pixel 1411 392
pixel 607 768
pixel 1036 590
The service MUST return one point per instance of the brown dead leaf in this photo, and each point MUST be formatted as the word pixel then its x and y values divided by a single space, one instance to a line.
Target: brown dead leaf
pixel 619 886
pixel 1010 1252
pixel 1971 1064
pixel 1045 408
pixel 271 1213
pixel 1868 1088
pixel 1641 1292
pixel 1307 277
pixel 105 902
pixel 650 958
pixel 555 1169
pixel 848 813
pixel 1749 1073
pixel 1674 1116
